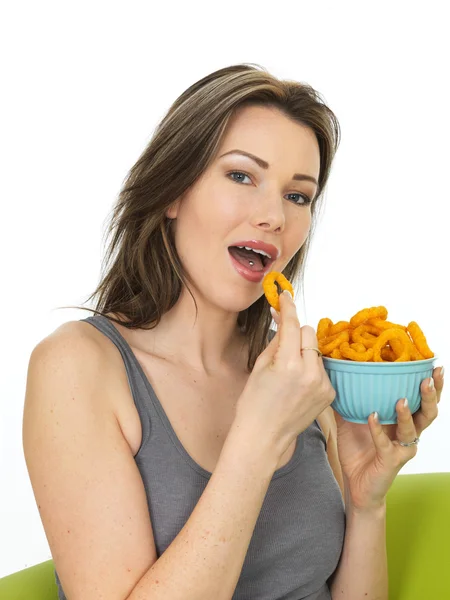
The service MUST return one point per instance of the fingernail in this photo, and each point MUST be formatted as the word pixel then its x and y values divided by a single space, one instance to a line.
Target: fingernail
pixel 442 372
pixel 274 313
pixel 288 294
pixel 405 403
pixel 375 416
pixel 431 384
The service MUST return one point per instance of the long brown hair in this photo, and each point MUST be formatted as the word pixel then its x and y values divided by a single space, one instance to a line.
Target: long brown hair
pixel 142 275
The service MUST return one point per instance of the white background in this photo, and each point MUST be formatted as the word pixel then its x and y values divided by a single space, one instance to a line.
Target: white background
pixel 84 84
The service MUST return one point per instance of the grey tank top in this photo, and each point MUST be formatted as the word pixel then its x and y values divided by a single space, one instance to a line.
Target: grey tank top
pixel 299 534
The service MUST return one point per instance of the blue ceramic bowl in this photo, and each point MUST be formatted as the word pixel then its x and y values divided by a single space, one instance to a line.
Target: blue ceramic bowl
pixel 363 387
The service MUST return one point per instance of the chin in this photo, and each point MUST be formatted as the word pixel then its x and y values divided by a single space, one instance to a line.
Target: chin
pixel 235 303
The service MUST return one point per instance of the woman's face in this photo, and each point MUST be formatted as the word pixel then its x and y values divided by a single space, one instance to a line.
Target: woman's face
pixel 224 208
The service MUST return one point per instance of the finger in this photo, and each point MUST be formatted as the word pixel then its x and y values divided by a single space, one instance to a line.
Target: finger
pixel 308 337
pixel 438 376
pixel 380 439
pixel 275 315
pixel 428 407
pixel 311 358
pixel 406 429
pixel 289 330
pixel 268 354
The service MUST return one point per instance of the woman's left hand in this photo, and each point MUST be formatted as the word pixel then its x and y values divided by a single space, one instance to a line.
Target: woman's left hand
pixel 371 455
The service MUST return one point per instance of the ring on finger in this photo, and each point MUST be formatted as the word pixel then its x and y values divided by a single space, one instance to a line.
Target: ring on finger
pixel 416 439
pixel 413 443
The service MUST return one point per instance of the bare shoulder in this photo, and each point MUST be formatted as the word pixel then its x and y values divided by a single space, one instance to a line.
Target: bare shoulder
pixel 79 348
pixel 76 334
pixel 79 341
pixel 88 489
pixel 69 348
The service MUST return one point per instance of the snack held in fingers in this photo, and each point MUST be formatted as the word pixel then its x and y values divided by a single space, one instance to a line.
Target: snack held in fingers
pixel 369 337
pixel 270 288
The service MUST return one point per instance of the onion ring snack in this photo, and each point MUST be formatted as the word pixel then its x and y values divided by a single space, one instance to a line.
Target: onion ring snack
pixel 369 337
pixel 270 288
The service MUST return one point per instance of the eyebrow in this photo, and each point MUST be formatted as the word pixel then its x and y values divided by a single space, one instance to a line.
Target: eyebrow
pixel 265 165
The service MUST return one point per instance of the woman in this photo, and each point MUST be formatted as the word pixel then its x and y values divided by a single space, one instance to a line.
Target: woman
pixel 177 448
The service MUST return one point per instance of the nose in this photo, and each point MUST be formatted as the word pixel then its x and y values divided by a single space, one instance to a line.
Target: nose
pixel 270 213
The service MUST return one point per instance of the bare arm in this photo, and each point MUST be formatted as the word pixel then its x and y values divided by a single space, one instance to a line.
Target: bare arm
pixel 362 571
pixel 92 500
pixel 205 559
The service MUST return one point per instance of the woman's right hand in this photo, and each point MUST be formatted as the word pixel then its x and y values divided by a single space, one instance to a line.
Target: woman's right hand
pixel 287 389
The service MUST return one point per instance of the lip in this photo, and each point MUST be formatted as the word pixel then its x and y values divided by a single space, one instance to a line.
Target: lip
pixel 253 276
pixel 259 245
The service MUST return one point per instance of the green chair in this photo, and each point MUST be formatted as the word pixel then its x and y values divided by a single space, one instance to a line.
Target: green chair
pixel 418 545
pixel 34 583
pixel 418 537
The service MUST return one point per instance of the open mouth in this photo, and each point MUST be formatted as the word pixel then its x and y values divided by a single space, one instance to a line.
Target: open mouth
pixel 255 260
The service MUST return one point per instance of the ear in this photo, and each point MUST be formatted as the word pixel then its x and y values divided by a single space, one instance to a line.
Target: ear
pixel 172 211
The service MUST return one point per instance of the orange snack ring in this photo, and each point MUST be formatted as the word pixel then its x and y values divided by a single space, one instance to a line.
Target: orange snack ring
pixel 355 335
pixel 387 354
pixel 339 327
pixel 397 347
pixel 358 347
pixel 406 356
pixel 369 339
pixel 379 312
pixel 342 337
pixel 270 289
pixel 323 328
pixel 415 354
pixel 351 354
pixel 372 325
pixel 419 340
pixel 326 346
pixel 358 336
pixel 368 336
pixel 381 324
pixel 388 336
pixel 371 329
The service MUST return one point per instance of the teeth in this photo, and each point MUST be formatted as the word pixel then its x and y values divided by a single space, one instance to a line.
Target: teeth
pixel 257 251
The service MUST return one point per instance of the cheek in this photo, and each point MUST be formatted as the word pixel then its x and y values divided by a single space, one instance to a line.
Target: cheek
pixel 298 230
pixel 223 212
pixel 305 225
pixel 206 223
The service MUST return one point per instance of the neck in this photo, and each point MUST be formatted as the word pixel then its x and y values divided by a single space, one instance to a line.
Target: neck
pixel 208 343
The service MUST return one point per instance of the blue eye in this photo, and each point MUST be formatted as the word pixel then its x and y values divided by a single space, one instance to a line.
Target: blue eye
pixel 238 173
pixel 306 199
